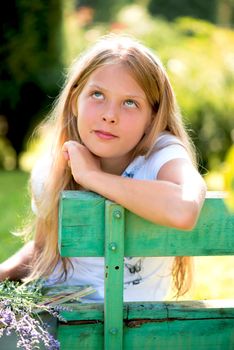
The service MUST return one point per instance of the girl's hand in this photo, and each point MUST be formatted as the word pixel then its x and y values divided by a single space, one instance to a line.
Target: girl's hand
pixel 81 161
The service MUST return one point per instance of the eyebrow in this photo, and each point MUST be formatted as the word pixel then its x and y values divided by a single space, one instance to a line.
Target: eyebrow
pixel 96 86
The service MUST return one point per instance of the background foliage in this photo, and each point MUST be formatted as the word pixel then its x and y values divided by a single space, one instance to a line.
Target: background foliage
pixel 198 55
pixel 195 8
pixel 30 57
pixel 39 39
pixel 199 58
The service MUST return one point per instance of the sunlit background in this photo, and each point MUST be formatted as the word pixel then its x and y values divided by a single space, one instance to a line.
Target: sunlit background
pixel 195 41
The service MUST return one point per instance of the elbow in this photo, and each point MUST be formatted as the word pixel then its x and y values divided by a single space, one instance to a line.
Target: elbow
pixel 186 217
pixel 187 214
pixel 187 224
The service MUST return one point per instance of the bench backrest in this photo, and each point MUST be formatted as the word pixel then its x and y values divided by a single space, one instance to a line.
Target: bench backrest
pixel 90 225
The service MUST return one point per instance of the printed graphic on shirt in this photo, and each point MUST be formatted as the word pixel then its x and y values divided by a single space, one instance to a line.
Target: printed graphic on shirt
pixel 130 174
pixel 134 267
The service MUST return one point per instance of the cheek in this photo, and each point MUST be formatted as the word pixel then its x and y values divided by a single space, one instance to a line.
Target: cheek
pixel 137 128
pixel 82 126
pixel 83 118
pixel 87 111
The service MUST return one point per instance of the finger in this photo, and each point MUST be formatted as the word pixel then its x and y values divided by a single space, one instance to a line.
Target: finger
pixel 66 155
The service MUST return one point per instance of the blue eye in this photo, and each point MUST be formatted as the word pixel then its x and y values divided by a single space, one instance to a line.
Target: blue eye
pixel 130 103
pixel 98 95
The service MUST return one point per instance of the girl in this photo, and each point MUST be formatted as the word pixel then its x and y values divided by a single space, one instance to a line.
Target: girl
pixel 118 132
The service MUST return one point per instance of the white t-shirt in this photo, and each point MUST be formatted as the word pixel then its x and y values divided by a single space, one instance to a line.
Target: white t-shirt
pixel 146 278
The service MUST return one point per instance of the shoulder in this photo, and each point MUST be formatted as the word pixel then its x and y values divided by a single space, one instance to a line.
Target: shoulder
pixel 39 175
pixel 167 147
pixel 40 172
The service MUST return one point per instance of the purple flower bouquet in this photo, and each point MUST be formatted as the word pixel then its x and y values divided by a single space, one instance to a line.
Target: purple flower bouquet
pixel 26 314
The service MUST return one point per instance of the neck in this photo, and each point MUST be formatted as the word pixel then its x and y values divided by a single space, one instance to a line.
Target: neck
pixel 114 166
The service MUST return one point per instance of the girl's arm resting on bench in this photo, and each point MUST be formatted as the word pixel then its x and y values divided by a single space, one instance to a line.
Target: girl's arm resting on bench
pixel 174 199
pixel 17 266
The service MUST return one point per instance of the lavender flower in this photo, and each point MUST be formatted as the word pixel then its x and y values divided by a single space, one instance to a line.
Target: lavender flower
pixel 19 312
pixel 20 308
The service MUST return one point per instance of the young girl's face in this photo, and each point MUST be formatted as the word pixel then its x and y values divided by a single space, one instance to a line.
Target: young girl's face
pixel 113 113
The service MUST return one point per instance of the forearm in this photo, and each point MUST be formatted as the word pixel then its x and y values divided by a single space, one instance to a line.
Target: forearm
pixel 161 202
pixel 174 199
pixel 18 265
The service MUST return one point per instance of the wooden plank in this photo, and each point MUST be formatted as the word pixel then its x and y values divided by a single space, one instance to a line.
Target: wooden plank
pixel 204 334
pixel 83 336
pixel 83 311
pixel 215 334
pixel 81 230
pixel 182 325
pixel 202 309
pixel 81 224
pixel 114 258
pixel 154 310
pixel 213 234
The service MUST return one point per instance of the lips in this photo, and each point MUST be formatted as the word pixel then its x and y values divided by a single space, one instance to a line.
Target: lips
pixel 105 135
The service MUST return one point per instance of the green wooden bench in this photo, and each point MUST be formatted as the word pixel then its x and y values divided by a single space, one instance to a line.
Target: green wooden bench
pixel 90 225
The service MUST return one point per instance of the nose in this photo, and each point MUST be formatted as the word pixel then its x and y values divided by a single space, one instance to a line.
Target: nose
pixel 108 119
pixel 110 114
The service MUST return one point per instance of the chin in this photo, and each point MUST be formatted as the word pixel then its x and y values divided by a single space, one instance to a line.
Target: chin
pixel 102 153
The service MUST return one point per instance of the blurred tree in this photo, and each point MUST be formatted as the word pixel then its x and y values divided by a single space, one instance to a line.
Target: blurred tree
pixel 30 57
pixel 225 12
pixel 104 12
pixel 195 8
pixel 216 11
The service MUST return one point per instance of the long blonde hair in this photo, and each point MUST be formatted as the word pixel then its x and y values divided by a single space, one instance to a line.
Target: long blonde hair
pixel 149 72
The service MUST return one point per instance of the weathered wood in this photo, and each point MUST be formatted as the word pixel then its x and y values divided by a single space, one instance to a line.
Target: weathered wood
pixel 114 257
pixel 168 335
pixel 200 309
pixel 212 334
pixel 180 325
pixel 82 224
pixel 171 325
pixel 83 311
pixel 213 234
pixel 81 337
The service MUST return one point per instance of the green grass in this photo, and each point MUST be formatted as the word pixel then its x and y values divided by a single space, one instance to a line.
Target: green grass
pixel 14 204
